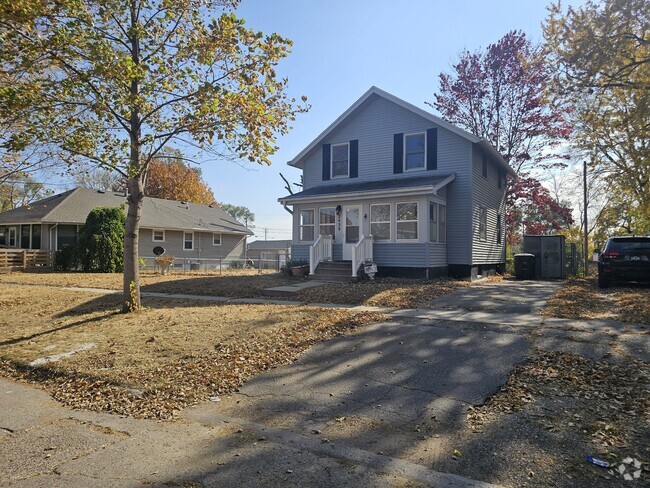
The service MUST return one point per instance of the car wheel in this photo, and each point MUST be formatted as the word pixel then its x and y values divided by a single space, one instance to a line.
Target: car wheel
pixel 603 281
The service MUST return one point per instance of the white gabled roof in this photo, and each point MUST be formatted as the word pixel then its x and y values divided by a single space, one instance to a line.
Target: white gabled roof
pixel 408 106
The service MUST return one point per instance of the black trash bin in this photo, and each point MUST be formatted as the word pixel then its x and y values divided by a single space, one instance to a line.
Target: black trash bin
pixel 525 266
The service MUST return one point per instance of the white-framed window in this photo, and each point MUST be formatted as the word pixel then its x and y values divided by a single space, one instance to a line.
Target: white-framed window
pixel 307 225
pixel 433 222
pixel 340 160
pixel 12 240
pixel 482 223
pixel 499 228
pixel 158 235
pixel 327 221
pixel 415 149
pixel 188 241
pixel 437 222
pixel 442 223
pixel 216 239
pixel 380 221
pixel 407 220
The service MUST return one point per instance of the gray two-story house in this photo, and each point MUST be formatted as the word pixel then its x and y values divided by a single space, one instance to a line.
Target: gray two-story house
pixel 390 183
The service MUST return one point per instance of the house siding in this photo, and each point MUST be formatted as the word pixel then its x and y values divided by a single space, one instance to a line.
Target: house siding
pixel 300 252
pixel 374 124
pixel 232 246
pixel 486 193
pixel 400 255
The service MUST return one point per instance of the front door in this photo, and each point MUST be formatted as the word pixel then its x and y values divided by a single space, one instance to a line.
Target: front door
pixel 351 230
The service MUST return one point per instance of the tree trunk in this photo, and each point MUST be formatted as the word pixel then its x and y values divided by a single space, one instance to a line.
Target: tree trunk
pixel 131 300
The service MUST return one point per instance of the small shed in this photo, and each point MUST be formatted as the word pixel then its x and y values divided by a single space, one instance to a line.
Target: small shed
pixel 549 255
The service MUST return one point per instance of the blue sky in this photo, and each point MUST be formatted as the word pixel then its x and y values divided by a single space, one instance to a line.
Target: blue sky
pixel 341 48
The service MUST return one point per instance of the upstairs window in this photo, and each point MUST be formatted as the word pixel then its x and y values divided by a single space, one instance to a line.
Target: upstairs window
pixel 414 151
pixel 340 160
pixel 158 235
pixel 216 239
pixel 380 221
pixel 327 221
pixel 407 220
pixel 306 225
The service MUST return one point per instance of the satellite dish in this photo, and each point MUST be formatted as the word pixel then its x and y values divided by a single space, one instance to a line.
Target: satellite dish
pixel 159 251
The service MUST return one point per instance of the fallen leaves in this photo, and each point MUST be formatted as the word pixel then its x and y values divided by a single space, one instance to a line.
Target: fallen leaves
pixel 580 298
pixel 177 378
pixel 608 404
pixel 383 292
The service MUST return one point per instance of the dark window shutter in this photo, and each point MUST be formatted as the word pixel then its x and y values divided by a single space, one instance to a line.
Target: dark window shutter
pixel 432 149
pixel 398 153
pixel 354 158
pixel 326 162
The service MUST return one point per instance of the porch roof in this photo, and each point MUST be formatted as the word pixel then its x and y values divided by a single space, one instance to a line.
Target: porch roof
pixel 372 189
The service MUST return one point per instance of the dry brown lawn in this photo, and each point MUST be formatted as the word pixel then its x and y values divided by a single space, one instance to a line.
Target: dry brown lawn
pixel 383 292
pixel 239 283
pixel 153 362
pixel 580 298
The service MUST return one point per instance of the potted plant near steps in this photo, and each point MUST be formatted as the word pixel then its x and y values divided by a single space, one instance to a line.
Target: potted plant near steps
pixel 297 268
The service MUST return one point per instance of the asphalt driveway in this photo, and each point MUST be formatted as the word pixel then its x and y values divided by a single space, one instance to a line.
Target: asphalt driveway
pixel 507 296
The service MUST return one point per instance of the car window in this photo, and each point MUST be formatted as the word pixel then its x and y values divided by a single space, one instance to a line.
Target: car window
pixel 622 245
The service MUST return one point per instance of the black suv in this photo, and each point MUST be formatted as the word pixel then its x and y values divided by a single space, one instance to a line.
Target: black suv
pixel 624 259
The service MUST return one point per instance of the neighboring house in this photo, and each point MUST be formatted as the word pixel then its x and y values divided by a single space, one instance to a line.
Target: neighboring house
pixel 190 232
pixel 431 195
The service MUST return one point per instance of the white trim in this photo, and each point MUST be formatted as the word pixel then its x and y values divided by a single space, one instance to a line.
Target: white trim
pixel 153 234
pixel 15 229
pixel 366 195
pixel 333 224
pixel 442 209
pixel 389 221
pixel 220 238
pixel 184 240
pixel 300 226
pixel 347 174
pixel 417 222
pixel 424 161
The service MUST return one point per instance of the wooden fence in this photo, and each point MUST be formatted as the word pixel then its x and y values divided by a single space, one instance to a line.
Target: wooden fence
pixel 26 258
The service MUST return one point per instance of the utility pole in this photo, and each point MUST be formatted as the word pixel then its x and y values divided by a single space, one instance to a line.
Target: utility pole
pixel 265 230
pixel 586 226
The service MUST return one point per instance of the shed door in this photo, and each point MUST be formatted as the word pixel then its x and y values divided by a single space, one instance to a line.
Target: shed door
pixel 551 257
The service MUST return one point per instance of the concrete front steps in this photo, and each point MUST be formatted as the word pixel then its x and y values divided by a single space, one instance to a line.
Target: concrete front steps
pixel 333 271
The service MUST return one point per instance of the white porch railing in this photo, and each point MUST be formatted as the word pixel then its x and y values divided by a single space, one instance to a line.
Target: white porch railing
pixel 320 251
pixel 361 253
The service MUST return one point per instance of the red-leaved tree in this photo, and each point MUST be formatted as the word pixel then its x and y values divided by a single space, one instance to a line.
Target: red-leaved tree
pixel 500 95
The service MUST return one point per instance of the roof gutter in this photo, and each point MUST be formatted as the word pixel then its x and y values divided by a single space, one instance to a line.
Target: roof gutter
pixel 362 195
